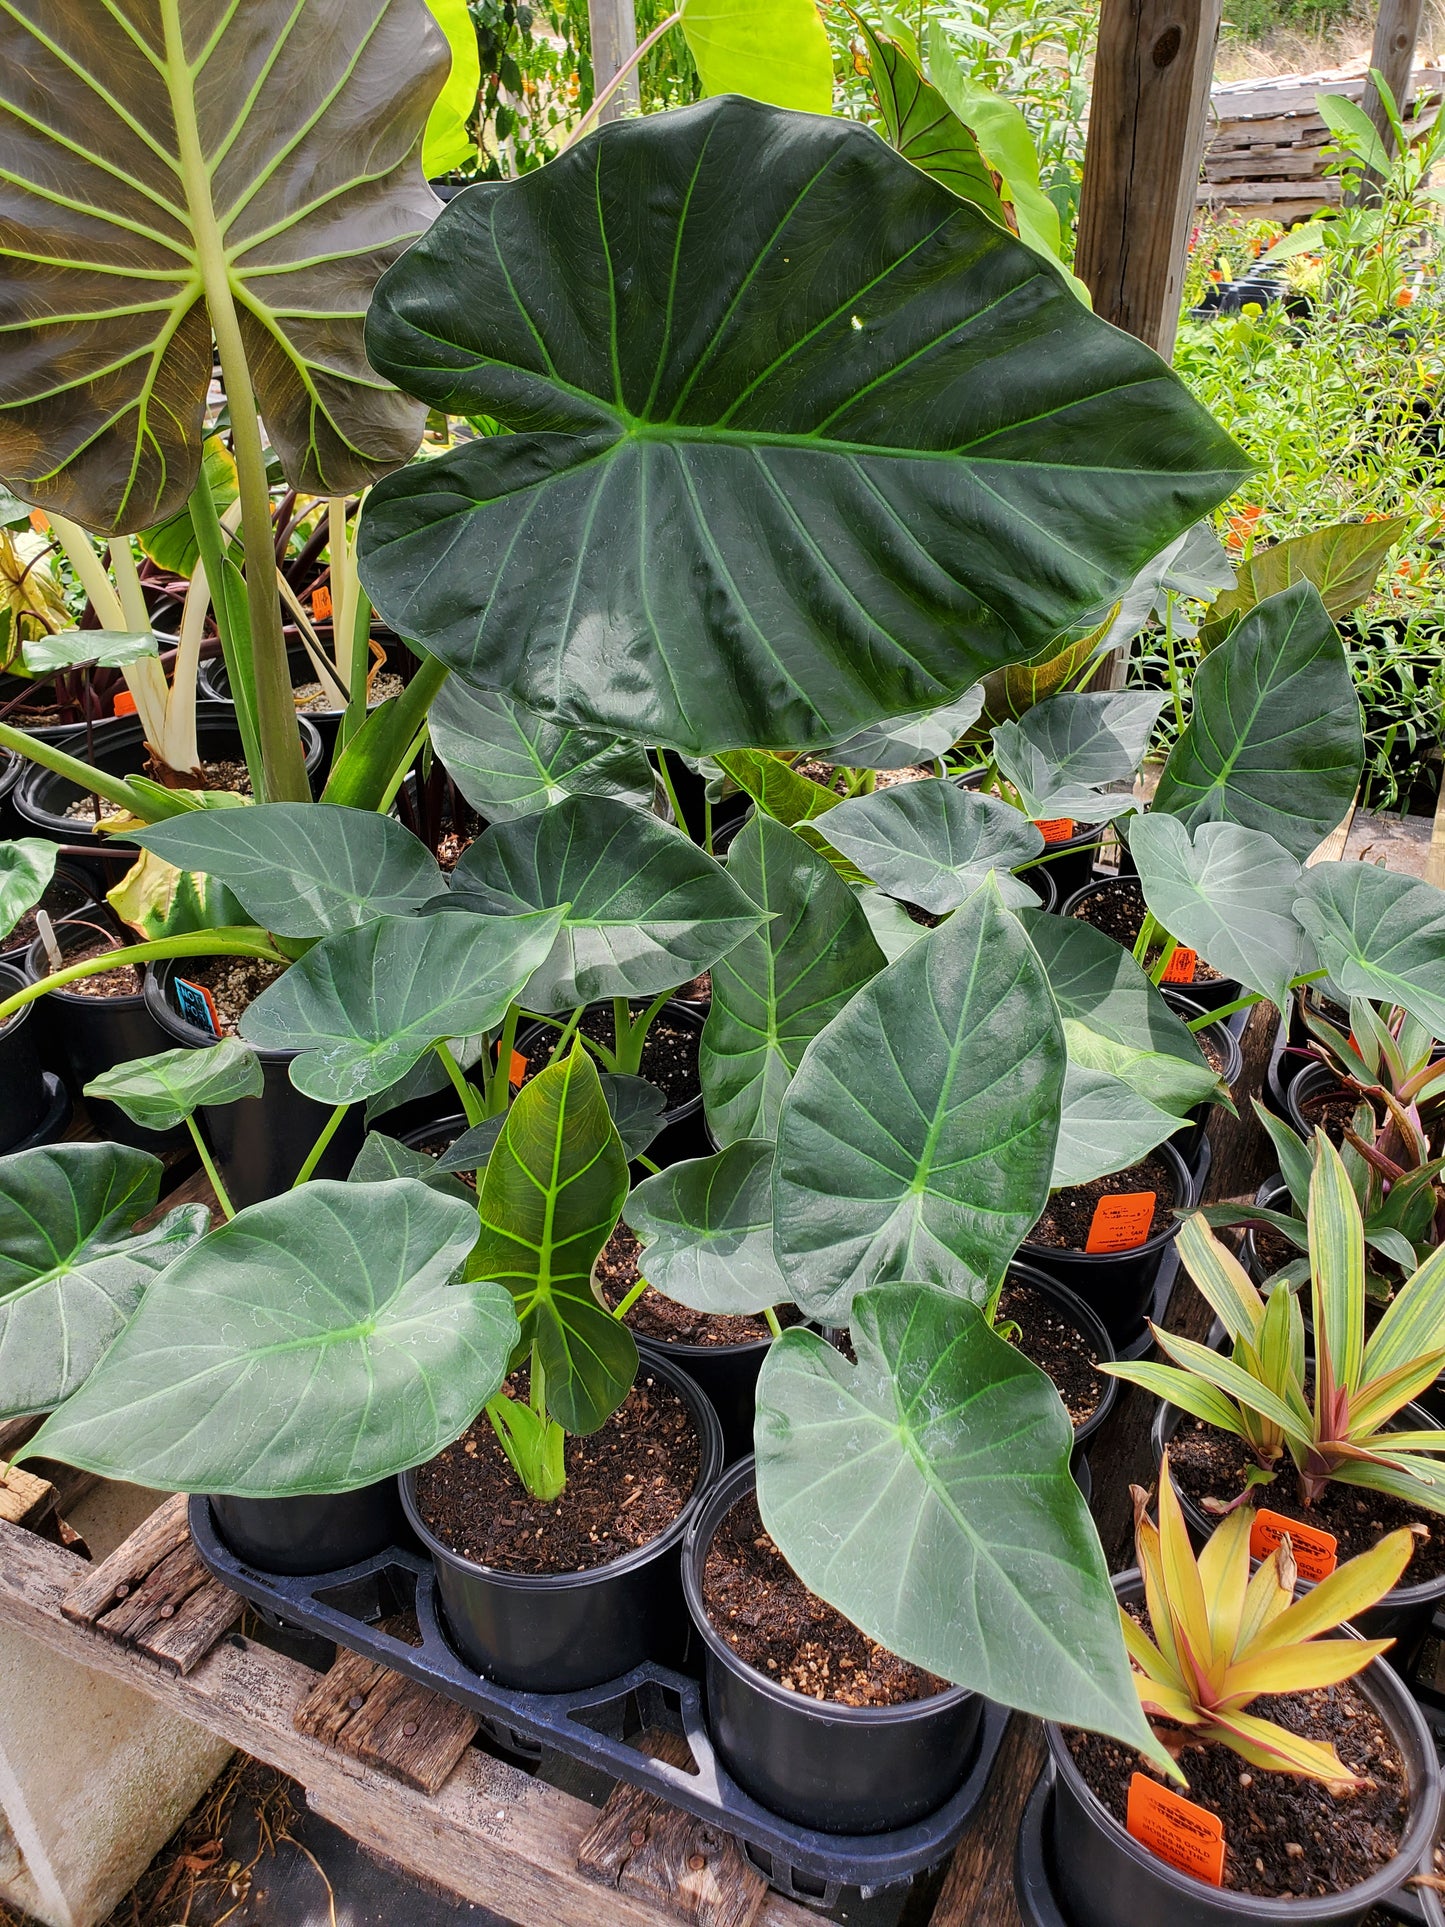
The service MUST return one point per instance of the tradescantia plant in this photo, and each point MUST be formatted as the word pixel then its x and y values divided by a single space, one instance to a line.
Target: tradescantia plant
pixel 902 404
pixel 1339 1427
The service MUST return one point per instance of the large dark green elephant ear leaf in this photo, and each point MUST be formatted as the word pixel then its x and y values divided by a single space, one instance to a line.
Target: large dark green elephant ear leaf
pixel 774 471
pixel 1276 740
pixel 154 156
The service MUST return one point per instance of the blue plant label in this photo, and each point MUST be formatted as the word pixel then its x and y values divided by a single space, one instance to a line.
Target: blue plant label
pixel 197 1005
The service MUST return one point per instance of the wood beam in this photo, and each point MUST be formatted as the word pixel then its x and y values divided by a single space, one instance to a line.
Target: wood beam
pixel 1152 77
pixel 613 25
pixel 1396 32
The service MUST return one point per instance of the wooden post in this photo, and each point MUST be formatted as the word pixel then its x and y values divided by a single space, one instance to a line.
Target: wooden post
pixel 613 25
pixel 1152 77
pixel 1396 32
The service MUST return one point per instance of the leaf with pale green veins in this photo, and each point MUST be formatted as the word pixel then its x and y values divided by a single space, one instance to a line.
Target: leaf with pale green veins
pixel 316 1343
pixel 644 909
pixel 932 843
pixel 26 866
pixel 1105 1126
pixel 1070 748
pixel 923 127
pixel 161 1092
pixel 1379 935
pixel 1228 893
pixel 553 1189
pixel 925 1493
pixel 773 992
pixel 773 50
pixel 903 741
pixel 304 869
pixel 362 1007
pixel 382 1157
pixel 917 1138
pixel 71 1268
pixel 1343 561
pixel 508 761
pixel 1275 740
pixel 706 1228
pixel 87 648
pixel 635 1103
pixel 149 149
pixel 769 472
pixel 1115 1020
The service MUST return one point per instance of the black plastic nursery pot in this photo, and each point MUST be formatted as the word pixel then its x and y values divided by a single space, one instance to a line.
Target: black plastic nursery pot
pixel 28 1098
pixel 214 682
pixel 83 1037
pixel 1404 1614
pixel 1188 1142
pixel 1106 1878
pixel 1208 993
pixel 42 797
pixel 1118 1286
pixel 1310 1086
pixel 558 1632
pixel 68 892
pixel 315 1532
pixel 260 1144
pixel 727 1376
pixel 841 1769
pixel 683 1132
pixel 1068 1305
pixel 10 768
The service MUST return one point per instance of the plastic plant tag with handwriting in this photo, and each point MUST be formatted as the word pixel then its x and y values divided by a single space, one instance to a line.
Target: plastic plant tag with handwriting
pixel 1181 967
pixel 1177 1831
pixel 1315 1552
pixel 321 603
pixel 197 1005
pixel 1057 829
pixel 1121 1222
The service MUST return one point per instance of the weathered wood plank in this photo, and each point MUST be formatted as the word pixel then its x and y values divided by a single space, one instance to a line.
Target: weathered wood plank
pixel 387 1720
pixel 153 1593
pixel 492 1833
pixel 642 1846
pixel 978 1889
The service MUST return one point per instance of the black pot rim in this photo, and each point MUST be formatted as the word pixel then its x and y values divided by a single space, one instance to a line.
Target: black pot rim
pixel 1090 1326
pixel 74 876
pixel 1308 1081
pixel 1046 1254
pixel 1183 1005
pixel 677 1007
pixel 157 983
pixel 710 1438
pixel 14 975
pixel 1167 1420
pixel 210 672
pixel 1100 883
pixel 738 1479
pixel 37 965
pixel 1399 1711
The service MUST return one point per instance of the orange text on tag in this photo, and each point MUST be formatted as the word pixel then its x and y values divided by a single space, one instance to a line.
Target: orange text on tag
pixel 1172 1827
pixel 321 603
pixel 1058 829
pixel 1182 966
pixel 1121 1223
pixel 1314 1551
pixel 124 704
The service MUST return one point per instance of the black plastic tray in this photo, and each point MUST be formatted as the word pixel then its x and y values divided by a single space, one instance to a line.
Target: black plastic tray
pixel 1038 1902
pixel 591 1727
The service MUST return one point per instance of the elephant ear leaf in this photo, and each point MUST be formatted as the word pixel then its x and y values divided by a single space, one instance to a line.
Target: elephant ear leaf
pixel 932 843
pixel 26 867
pixel 72 1270
pixel 316 1343
pixel 706 1228
pixel 889 1163
pixel 1276 740
pixel 555 1183
pixel 1066 751
pixel 773 50
pixel 925 1493
pixel 807 471
pixel 508 761
pixel 161 1092
pixel 923 127
pixel 278 140
pixel 1379 935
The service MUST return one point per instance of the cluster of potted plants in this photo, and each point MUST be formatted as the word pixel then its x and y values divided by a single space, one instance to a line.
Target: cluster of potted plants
pixel 716 1248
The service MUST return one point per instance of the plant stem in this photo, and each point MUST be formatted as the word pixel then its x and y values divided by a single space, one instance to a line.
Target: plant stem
pixel 114 789
pixel 1174 689
pixel 212 1173
pixel 318 1149
pixel 499 1082
pixel 619 77
pixel 211 541
pixel 677 816
pixel 471 1101
pixel 629 1053
pixel 226 942
pixel 630 1300
pixel 284 764
pixel 772 1317
pixel 1225 1010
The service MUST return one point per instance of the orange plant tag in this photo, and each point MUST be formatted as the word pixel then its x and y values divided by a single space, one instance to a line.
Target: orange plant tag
pixel 1121 1223
pixel 519 1068
pixel 40 521
pixel 124 704
pixel 1314 1551
pixel 1058 829
pixel 1173 1828
pixel 1182 966
pixel 321 603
